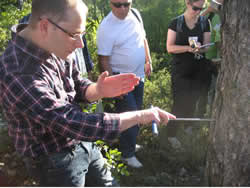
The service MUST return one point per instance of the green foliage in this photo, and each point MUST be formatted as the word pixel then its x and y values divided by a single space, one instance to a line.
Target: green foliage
pixel 113 157
pixel 9 16
pixel 91 29
pixel 157 90
pixel 156 17
pixel 98 9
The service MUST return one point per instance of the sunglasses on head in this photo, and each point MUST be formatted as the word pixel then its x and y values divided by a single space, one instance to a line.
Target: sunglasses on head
pixel 119 5
pixel 195 8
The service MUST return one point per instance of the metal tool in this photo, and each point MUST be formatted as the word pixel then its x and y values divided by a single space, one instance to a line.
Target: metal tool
pixel 192 119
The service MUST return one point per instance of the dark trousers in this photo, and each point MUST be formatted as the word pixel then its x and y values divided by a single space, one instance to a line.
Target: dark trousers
pixel 130 102
pixel 71 167
pixel 187 91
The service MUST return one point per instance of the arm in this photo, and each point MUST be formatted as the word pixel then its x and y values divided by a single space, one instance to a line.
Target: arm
pixel 58 115
pixel 103 62
pixel 206 40
pixel 148 65
pixel 172 47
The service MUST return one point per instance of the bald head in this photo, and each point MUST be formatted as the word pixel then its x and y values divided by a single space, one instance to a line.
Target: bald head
pixel 58 10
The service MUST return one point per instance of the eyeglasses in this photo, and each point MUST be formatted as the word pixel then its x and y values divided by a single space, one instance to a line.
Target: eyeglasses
pixel 195 8
pixel 72 35
pixel 119 5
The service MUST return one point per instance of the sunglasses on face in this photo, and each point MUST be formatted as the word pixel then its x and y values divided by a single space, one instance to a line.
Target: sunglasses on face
pixel 195 8
pixel 72 35
pixel 119 5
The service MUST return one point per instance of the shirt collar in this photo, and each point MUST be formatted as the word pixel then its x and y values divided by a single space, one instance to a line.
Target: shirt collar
pixel 118 19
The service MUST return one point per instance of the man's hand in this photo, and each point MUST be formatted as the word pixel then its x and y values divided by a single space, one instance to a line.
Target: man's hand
pixel 129 119
pixel 112 86
pixel 148 69
pixel 156 114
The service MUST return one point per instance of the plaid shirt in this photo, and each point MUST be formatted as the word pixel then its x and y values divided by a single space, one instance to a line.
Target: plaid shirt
pixel 39 94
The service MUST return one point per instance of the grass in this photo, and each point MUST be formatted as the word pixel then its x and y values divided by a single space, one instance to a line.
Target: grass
pixel 164 166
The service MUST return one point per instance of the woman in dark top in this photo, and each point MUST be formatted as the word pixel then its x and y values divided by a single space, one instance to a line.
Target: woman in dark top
pixel 190 74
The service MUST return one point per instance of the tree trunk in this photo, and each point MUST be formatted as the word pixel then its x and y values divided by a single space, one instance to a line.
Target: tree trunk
pixel 228 160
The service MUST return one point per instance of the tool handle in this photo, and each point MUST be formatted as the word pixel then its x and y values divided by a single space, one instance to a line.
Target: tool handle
pixel 154 127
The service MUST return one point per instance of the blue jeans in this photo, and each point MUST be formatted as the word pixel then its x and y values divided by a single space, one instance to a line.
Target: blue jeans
pixel 71 167
pixel 130 102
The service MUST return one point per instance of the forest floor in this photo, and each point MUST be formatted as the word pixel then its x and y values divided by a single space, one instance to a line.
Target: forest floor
pixel 163 166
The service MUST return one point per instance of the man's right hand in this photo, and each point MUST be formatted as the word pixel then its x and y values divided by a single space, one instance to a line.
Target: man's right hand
pixel 155 114
pixel 129 119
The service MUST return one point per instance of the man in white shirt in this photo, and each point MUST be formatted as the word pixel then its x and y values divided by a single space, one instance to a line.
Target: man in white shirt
pixel 123 48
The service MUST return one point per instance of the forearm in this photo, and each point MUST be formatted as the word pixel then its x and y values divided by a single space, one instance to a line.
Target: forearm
pixel 177 49
pixel 172 48
pixel 207 39
pixel 147 52
pixel 104 64
pixel 129 119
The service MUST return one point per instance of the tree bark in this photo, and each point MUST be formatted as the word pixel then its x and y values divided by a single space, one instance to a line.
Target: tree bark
pixel 228 160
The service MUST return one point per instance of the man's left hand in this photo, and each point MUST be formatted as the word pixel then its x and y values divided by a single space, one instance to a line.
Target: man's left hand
pixel 112 86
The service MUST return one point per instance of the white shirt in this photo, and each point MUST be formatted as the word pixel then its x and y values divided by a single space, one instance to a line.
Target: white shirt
pixel 123 41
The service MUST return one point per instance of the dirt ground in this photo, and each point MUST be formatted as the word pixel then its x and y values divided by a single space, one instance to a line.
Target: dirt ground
pixel 163 166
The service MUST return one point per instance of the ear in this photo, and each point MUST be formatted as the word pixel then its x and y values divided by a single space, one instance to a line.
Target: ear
pixel 43 27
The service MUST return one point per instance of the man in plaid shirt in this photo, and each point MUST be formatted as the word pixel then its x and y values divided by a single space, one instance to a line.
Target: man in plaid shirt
pixel 39 95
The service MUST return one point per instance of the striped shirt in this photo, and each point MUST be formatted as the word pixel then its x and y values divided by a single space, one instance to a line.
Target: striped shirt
pixel 40 96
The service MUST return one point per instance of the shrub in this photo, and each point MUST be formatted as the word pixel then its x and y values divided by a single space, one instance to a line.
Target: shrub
pixel 157 90
pixel 9 16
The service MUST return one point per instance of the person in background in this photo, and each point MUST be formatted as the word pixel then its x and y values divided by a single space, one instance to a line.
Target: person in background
pixel 41 88
pixel 190 73
pixel 213 53
pixel 123 48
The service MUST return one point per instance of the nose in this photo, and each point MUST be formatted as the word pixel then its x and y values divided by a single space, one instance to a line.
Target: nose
pixel 123 7
pixel 79 42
